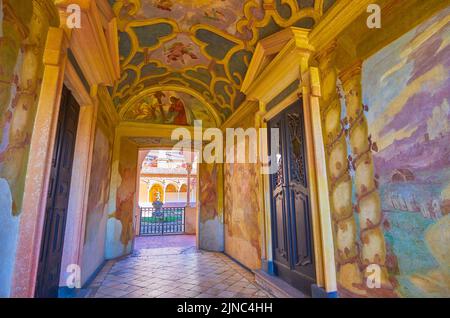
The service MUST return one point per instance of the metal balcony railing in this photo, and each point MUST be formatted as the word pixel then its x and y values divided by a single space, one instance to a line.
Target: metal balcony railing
pixel 165 221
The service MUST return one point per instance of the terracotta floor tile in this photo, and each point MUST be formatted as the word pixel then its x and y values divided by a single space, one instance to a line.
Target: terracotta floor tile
pixel 173 268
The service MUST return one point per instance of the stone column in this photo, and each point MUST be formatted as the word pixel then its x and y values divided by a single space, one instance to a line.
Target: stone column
pixel 189 170
pixel 349 276
pixel 368 203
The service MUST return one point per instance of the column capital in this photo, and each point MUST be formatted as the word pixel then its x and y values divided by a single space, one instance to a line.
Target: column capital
pixel 351 72
pixel 56 47
pixel 262 106
pixel 10 16
pixel 314 79
pixel 46 10
pixel 327 54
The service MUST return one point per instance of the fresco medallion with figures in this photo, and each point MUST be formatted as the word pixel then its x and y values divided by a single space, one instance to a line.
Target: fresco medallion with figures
pixel 204 46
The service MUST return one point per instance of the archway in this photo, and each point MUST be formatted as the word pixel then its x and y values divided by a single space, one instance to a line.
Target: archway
pixel 183 188
pixel 172 194
pixel 171 188
pixel 156 193
pixel 167 174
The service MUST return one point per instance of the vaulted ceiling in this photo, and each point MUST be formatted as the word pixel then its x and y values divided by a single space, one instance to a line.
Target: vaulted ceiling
pixel 200 47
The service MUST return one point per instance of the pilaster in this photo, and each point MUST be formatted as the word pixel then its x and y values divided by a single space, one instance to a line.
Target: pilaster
pixel 368 205
pixel 38 171
pixel 339 181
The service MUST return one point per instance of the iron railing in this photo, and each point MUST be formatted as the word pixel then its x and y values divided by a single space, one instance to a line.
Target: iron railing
pixel 167 221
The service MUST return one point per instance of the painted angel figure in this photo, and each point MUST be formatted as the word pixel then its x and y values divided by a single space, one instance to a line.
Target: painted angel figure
pixel 177 51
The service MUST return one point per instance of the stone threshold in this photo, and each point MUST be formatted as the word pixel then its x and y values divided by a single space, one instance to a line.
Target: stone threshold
pixel 276 286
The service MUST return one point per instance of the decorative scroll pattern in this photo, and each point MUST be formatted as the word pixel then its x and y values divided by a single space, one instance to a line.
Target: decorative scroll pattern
pixel 298 171
pixel 201 45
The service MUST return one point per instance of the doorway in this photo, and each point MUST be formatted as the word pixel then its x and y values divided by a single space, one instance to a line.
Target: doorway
pixel 49 266
pixel 167 193
pixel 293 251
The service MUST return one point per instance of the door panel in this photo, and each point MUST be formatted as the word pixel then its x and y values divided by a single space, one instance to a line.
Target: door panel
pixel 49 267
pixel 281 247
pixel 291 225
pixel 278 191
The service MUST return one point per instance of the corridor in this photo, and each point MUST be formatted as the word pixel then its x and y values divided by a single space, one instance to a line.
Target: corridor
pixel 172 267
pixel 307 141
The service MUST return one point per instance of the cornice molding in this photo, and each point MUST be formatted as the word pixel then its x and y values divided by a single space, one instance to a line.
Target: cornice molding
pixel 48 11
pixel 91 44
pixel 283 69
pixel 265 49
pixel 247 109
pixel 339 17
pixel 328 53
pixel 352 72
pixel 132 129
pixel 10 16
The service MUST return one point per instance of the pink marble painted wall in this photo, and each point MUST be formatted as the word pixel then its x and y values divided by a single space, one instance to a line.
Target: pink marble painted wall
pixel 210 209
pixel 120 226
pixel 96 218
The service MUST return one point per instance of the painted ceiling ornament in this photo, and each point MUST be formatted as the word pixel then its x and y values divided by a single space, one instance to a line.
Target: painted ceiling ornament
pixel 177 52
pixel 164 4
pixel 126 8
pixel 204 46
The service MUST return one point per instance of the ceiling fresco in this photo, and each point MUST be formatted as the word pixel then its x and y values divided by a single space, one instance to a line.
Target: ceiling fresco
pixel 170 108
pixel 201 45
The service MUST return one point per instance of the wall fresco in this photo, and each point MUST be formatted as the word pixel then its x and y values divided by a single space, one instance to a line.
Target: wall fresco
pixel 22 37
pixel 210 207
pixel 96 218
pixel 406 89
pixel 241 211
pixel 120 233
pixel 169 107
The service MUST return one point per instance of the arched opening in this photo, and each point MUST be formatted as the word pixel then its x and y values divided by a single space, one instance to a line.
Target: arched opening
pixel 156 193
pixel 171 188
pixel 171 194
pixel 166 175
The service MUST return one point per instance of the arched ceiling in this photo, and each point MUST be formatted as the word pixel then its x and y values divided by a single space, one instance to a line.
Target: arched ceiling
pixel 200 45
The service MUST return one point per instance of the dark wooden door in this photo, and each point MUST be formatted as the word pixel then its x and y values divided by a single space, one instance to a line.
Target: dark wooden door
pixel 293 250
pixel 58 198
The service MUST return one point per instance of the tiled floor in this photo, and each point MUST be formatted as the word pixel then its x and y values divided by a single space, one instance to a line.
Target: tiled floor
pixel 177 271
pixel 151 242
